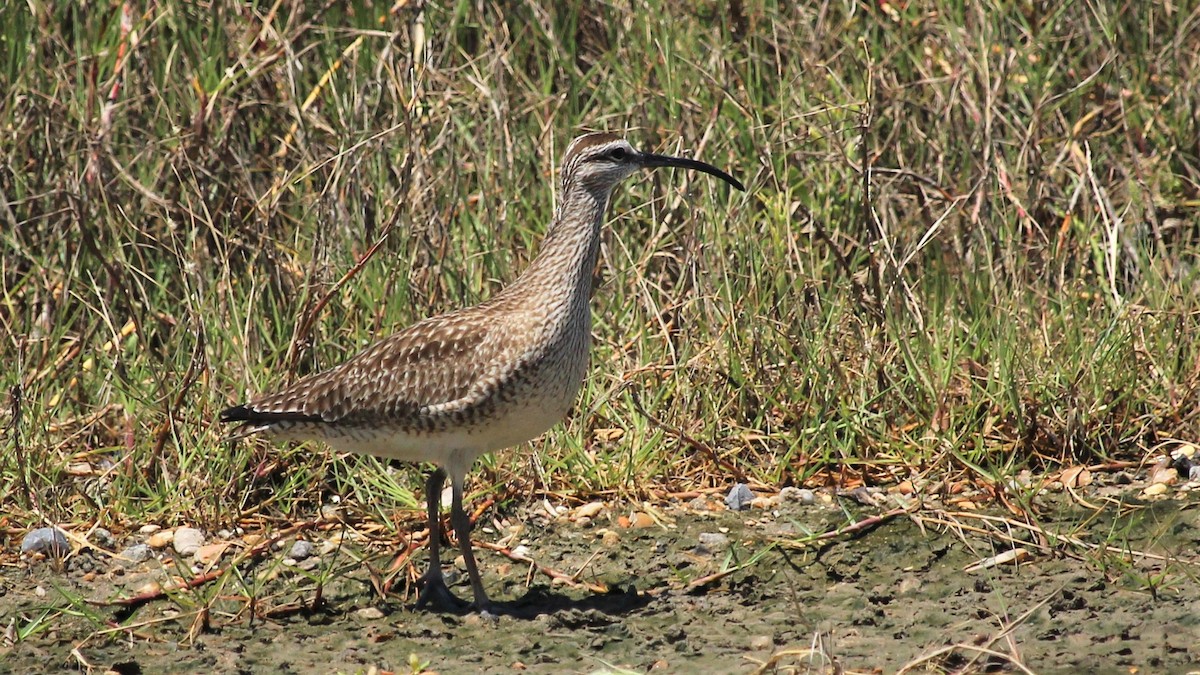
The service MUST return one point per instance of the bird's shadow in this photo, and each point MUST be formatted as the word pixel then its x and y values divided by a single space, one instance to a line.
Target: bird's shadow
pixel 539 601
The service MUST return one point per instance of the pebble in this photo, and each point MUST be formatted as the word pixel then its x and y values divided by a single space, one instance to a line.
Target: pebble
pixel 641 519
pixel 82 564
pixel 1163 472
pixel 763 503
pixel 908 585
pixel 47 540
pixel 762 642
pixel 161 539
pixel 301 550
pixel 148 529
pixel 1194 472
pixel 739 497
pixel 610 538
pixel 713 541
pixel 370 613
pixel 1155 490
pixel 309 563
pixel 102 538
pixel 802 496
pixel 589 510
pixel 188 540
pixel 137 553
pixel 521 552
pixel 583 521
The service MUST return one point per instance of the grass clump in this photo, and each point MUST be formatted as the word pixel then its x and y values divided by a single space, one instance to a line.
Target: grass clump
pixel 967 243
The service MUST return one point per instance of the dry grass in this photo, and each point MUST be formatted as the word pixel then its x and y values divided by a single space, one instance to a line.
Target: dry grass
pixel 193 195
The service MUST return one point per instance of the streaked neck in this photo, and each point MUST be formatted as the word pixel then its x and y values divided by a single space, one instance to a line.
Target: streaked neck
pixel 567 256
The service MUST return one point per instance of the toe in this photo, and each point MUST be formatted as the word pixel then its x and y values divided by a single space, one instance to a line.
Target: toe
pixel 436 595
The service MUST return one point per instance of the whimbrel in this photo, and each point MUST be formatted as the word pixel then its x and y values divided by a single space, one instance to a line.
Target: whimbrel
pixel 452 387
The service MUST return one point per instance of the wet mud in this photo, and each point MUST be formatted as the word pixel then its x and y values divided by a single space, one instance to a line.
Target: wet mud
pixel 878 599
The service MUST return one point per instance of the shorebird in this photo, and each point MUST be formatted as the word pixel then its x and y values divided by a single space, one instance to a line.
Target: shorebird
pixel 455 386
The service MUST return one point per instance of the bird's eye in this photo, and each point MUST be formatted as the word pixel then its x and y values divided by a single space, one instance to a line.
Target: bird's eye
pixel 618 154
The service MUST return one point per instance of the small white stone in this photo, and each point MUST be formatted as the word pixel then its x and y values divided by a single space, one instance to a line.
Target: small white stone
pixel 589 510
pixel 188 540
pixel 799 495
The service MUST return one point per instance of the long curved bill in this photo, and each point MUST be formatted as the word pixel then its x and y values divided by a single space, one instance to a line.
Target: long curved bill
pixel 651 160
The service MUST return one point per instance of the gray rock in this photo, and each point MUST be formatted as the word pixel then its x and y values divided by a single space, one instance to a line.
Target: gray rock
pixel 739 497
pixel 47 540
pixel 102 538
pixel 300 550
pixel 137 553
pixel 1194 472
pixel 188 540
pixel 711 541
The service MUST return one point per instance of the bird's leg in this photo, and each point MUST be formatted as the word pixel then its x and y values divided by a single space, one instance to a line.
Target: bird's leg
pixel 462 530
pixel 432 583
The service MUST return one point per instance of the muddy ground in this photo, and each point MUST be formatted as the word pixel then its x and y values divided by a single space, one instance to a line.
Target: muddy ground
pixel 872 600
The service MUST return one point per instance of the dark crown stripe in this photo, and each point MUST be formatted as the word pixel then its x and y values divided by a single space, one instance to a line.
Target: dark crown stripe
pixel 580 145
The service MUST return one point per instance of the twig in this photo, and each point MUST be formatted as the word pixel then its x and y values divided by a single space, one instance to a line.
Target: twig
pixel 864 524
pixel 1069 539
pixel 986 649
pixel 562 577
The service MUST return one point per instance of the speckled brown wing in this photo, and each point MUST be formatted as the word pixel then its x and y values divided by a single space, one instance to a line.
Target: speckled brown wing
pixel 415 379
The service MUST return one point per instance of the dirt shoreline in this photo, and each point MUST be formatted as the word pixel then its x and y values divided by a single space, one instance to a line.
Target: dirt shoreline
pixel 875 600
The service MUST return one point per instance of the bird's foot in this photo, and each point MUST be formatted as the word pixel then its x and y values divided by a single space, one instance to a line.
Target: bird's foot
pixel 436 595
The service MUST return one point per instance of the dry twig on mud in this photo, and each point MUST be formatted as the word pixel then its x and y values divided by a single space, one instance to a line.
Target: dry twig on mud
pixel 561 577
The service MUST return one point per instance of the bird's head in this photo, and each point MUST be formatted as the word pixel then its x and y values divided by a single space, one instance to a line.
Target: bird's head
pixel 599 161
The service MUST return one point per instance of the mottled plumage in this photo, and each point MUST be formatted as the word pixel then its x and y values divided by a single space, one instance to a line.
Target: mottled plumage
pixel 452 387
